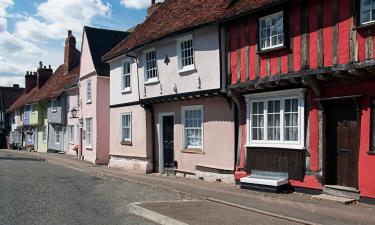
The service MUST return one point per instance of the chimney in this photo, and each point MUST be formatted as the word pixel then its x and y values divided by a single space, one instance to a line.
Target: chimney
pixel 16 86
pixel 30 81
pixel 43 74
pixel 71 54
pixel 153 7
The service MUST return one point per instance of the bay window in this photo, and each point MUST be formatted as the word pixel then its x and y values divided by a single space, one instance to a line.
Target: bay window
pixel 276 119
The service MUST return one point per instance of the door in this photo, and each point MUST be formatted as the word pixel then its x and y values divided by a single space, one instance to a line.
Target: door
pixel 342 143
pixel 168 141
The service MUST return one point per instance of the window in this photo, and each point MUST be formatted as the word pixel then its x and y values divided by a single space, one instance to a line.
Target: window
pixel 54 105
pixel 71 134
pixel 89 132
pixel 33 109
pixel 125 76
pixel 44 134
pixel 193 126
pixel 88 91
pixel 271 31
pixel 57 134
pixel 151 66
pixel 68 102
pixel 186 53
pixel 78 100
pixel 276 119
pixel 367 10
pixel 126 124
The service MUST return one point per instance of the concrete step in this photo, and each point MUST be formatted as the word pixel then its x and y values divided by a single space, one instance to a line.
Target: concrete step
pixel 341 191
pixel 331 198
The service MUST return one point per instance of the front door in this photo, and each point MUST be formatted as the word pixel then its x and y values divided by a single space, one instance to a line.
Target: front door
pixel 168 141
pixel 342 143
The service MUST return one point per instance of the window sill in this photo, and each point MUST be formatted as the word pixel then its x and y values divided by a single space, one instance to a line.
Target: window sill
pixel 364 26
pixel 88 102
pixel 88 148
pixel 274 49
pixel 126 143
pixel 151 82
pixel 54 111
pixel 187 69
pixel 371 152
pixel 193 151
pixel 126 91
pixel 278 146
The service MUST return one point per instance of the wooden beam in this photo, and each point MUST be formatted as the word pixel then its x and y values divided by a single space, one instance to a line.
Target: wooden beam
pixel 283 82
pixel 295 80
pixel 371 70
pixel 259 86
pixel 324 76
pixel 313 83
pixel 357 72
pixel 340 74
pixel 271 84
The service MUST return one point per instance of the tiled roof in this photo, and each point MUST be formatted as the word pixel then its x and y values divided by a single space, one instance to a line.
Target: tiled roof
pixel 100 41
pixel 176 16
pixel 23 100
pixel 56 84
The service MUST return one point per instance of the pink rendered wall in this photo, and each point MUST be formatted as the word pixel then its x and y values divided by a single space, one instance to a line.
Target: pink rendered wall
pixel 102 120
pixel 73 100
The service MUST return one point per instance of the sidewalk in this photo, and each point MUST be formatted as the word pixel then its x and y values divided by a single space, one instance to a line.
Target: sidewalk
pixel 295 205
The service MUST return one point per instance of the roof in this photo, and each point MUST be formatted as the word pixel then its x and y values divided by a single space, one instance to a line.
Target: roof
pixel 23 100
pixel 100 41
pixel 175 16
pixel 56 84
pixel 9 95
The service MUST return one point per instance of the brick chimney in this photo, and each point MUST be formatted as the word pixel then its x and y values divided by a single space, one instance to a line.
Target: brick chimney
pixel 30 81
pixel 71 54
pixel 153 7
pixel 43 74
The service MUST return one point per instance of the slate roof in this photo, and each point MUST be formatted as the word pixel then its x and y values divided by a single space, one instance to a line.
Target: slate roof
pixel 100 41
pixel 177 16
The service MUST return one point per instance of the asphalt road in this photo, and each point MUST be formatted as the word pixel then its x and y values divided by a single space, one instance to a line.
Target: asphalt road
pixel 37 192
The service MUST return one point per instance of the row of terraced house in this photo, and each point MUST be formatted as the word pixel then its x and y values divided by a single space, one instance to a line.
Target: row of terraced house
pixel 265 94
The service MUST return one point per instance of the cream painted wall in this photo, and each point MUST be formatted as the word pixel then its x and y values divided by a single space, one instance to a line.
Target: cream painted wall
pixel 141 132
pixel 207 64
pixel 218 134
pixel 117 96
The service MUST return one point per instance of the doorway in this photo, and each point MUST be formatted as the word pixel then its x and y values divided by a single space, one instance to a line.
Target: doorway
pixel 342 143
pixel 166 146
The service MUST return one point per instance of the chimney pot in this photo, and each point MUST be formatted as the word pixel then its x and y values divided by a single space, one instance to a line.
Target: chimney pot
pixel 45 67
pixel 152 2
pixel 40 64
pixel 16 86
pixel 69 33
pixel 49 66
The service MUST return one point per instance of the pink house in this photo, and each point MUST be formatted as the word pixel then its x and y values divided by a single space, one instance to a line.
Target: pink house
pixel 94 92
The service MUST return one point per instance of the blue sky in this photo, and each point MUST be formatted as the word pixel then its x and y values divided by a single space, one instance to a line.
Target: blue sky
pixel 33 31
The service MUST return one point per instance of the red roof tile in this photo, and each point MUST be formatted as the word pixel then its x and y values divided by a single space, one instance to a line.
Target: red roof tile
pixel 174 16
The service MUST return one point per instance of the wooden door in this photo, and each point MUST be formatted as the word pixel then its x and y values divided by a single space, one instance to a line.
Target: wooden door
pixel 342 143
pixel 168 141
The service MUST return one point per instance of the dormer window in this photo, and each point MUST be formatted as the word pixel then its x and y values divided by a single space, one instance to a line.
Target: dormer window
pixel 151 68
pixel 271 31
pixel 125 79
pixel 367 11
pixel 185 50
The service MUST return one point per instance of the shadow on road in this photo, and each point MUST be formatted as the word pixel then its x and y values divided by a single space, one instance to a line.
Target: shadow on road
pixel 19 158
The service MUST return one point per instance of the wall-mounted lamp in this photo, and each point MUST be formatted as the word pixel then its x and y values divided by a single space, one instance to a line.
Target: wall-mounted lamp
pixel 74 113
pixel 167 60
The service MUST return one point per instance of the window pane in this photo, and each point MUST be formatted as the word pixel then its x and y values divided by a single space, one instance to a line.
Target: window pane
pixel 193 128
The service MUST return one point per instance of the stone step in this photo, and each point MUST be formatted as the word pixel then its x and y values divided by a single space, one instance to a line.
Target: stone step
pixel 340 191
pixel 331 198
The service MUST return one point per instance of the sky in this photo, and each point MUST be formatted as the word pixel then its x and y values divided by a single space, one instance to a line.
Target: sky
pixel 35 30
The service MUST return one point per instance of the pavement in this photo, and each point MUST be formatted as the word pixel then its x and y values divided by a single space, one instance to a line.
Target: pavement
pixel 214 202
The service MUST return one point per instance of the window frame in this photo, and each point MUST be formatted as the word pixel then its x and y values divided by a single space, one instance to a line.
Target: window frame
pixel 285 27
pixel 360 16
pixel 152 79
pixel 123 88
pixel 181 68
pixel 184 141
pixel 58 127
pixel 54 105
pixel 129 127
pixel 89 91
pixel 282 96
pixel 88 134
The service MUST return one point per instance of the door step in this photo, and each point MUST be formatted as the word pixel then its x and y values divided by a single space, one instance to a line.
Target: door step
pixel 265 181
pixel 341 191
pixel 331 198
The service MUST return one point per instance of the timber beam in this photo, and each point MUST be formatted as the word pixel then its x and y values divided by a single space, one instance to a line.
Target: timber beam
pixel 357 72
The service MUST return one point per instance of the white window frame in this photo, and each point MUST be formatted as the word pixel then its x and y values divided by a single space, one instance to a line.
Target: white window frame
pixel 44 134
pixel 88 135
pixel 153 79
pixel 58 130
pixel 270 37
pixel 54 105
pixel 282 96
pixel 183 110
pixel 362 9
pixel 123 127
pixel 123 75
pixel 88 91
pixel 181 68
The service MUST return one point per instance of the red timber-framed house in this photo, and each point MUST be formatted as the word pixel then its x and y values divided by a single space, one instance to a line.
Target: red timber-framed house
pixel 303 76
